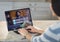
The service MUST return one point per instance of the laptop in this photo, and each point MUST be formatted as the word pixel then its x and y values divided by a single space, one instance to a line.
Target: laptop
pixel 19 18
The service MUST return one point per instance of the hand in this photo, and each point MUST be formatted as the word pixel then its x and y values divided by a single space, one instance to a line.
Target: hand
pixel 23 32
pixel 32 29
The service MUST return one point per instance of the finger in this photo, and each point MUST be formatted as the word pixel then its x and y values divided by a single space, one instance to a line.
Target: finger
pixel 29 27
pixel 20 30
pixel 22 33
pixel 29 30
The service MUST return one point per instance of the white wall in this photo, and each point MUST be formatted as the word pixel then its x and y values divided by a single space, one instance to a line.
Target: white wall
pixel 4 6
pixel 39 10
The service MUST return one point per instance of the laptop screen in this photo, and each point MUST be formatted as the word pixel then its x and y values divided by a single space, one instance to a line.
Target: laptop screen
pixel 18 18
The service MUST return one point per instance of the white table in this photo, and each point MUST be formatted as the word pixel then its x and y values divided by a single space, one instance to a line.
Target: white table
pixel 39 24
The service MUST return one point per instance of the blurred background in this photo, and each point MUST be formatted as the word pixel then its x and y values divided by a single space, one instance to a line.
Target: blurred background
pixel 40 9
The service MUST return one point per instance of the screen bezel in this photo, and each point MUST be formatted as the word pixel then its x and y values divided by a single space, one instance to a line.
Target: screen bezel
pixel 16 10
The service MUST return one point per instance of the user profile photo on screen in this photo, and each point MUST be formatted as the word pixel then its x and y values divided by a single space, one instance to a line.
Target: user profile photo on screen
pixel 16 18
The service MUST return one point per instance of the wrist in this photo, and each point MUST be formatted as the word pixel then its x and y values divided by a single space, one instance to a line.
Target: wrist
pixel 37 31
pixel 28 36
pixel 40 31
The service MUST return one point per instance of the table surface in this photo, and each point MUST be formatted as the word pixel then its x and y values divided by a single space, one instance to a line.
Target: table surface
pixel 39 24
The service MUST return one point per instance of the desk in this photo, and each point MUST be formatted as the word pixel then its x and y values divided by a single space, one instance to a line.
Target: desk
pixel 39 24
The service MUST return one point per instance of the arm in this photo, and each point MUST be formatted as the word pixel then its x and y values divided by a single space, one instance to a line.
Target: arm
pixel 40 31
pixel 25 33
pixel 50 35
pixel 47 36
